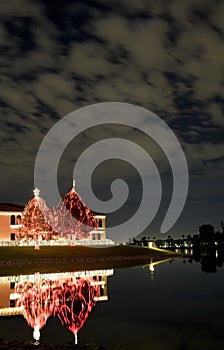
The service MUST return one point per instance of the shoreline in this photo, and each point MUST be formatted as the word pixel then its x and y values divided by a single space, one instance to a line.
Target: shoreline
pixel 23 345
pixel 56 259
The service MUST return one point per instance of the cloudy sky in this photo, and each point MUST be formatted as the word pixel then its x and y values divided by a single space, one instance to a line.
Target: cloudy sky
pixel 165 56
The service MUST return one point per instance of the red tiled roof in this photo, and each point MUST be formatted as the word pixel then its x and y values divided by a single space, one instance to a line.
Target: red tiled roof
pixel 11 207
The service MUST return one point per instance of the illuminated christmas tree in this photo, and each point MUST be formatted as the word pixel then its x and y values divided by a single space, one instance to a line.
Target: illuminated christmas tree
pixel 35 224
pixel 73 218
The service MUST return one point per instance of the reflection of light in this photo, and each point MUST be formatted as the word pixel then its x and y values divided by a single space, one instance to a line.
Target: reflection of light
pixel 151 268
pixel 57 275
pixel 152 264
pixel 11 311
pixel 101 298
pixel 14 296
pixel 36 334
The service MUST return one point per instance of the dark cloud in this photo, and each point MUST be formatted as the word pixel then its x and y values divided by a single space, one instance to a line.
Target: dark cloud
pixel 62 55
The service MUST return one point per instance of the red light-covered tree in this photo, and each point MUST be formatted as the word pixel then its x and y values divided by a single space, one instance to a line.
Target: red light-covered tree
pixel 73 218
pixel 34 223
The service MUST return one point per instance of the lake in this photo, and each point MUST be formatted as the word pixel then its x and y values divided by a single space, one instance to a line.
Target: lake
pixel 167 306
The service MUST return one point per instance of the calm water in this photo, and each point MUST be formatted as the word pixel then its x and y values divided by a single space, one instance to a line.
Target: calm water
pixel 178 306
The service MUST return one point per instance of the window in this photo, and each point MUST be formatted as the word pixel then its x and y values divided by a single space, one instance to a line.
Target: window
pixel 100 223
pixel 12 285
pixel 12 303
pixel 13 236
pixel 18 220
pixel 13 220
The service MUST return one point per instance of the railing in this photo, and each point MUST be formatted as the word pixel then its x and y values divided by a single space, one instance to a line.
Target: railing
pixel 31 243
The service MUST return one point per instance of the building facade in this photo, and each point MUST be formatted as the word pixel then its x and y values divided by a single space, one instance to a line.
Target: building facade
pixel 10 220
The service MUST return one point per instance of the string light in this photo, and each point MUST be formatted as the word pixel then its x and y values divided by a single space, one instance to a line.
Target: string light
pixel 71 220
pixel 69 299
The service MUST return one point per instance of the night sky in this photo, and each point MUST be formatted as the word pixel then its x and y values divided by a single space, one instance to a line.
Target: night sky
pixel 165 56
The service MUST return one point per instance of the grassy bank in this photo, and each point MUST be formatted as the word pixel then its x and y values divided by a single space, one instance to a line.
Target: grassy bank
pixel 52 259
pixel 8 253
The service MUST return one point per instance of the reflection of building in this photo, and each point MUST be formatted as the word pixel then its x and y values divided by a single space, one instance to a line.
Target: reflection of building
pixel 70 296
pixel 8 283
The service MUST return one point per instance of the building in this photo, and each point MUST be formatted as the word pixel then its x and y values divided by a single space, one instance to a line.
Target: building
pixel 11 216
pixel 100 232
pixel 10 220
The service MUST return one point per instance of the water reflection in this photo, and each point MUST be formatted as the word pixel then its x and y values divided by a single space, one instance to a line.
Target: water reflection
pixel 74 302
pixel 69 296
pixel 152 264
pixel 155 307
pixel 210 260
pixel 36 301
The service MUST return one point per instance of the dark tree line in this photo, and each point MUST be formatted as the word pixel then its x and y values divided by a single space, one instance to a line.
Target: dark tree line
pixel 206 238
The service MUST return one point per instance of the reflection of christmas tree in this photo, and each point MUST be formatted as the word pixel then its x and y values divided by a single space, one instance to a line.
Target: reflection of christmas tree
pixel 73 218
pixel 74 302
pixel 71 300
pixel 34 222
pixel 37 301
